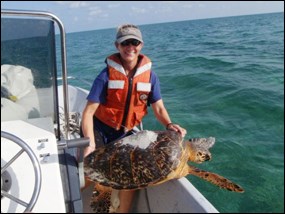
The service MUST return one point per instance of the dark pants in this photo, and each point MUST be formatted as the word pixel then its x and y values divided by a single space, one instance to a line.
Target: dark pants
pixel 105 134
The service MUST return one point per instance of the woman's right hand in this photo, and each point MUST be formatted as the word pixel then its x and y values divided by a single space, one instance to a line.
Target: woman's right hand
pixel 88 150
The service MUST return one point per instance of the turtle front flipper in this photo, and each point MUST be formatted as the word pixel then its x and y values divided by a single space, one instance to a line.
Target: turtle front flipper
pixel 215 179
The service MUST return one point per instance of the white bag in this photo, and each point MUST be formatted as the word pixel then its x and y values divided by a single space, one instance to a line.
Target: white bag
pixel 18 80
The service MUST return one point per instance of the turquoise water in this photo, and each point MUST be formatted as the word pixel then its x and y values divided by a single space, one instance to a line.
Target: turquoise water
pixel 219 77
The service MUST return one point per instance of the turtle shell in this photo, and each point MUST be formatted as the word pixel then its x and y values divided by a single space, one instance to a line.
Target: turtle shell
pixel 135 161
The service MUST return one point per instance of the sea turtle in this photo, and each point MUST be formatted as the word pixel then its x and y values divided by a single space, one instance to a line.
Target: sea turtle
pixel 151 158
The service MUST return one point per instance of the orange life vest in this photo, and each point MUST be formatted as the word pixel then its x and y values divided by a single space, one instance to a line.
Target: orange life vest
pixel 126 102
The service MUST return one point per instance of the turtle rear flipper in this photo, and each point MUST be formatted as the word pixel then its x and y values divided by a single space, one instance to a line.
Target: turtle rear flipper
pixel 104 199
pixel 215 179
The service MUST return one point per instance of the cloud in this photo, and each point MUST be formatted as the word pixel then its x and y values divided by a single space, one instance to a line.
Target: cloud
pixel 74 4
pixel 113 5
pixel 188 5
pixel 138 10
pixel 95 11
pixel 75 18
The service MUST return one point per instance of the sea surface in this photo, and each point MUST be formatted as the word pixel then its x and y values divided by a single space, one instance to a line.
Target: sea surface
pixel 221 77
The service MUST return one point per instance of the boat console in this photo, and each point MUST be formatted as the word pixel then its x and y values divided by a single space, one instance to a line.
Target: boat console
pixel 38 135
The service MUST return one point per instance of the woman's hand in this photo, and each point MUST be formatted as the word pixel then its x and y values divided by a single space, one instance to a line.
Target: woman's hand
pixel 176 127
pixel 88 150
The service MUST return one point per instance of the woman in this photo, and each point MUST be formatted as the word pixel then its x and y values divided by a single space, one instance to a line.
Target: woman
pixel 120 95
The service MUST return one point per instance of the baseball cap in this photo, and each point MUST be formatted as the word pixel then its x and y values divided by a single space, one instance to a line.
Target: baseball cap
pixel 128 31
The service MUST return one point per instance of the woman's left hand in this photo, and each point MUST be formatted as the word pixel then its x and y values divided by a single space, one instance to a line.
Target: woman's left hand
pixel 176 127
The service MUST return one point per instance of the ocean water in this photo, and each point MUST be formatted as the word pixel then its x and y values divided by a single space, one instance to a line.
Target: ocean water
pixel 221 77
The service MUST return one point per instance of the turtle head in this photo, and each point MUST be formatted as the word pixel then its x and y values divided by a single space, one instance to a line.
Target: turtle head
pixel 199 149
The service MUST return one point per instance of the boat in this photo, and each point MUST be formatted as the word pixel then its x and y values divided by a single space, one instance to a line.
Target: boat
pixel 41 150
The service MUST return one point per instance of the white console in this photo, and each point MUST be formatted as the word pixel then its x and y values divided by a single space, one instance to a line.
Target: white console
pixel 39 135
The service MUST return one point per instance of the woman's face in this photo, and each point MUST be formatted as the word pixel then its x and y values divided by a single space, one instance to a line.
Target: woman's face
pixel 129 49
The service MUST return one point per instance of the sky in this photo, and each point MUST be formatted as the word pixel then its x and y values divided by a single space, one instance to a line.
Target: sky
pixel 92 15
